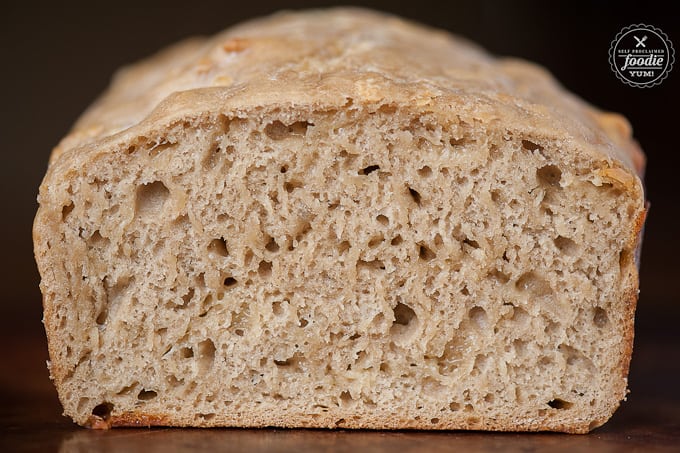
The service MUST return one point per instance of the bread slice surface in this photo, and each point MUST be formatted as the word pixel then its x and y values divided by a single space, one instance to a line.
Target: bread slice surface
pixel 340 219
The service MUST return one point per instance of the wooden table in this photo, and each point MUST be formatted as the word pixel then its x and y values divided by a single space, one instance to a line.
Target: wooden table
pixel 30 418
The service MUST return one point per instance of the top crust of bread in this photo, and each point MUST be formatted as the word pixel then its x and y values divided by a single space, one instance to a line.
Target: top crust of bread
pixel 332 57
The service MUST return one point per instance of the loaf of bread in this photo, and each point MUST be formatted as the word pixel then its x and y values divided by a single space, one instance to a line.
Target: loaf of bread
pixel 338 218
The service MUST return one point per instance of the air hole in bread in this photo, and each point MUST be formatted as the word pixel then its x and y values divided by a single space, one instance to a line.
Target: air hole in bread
pixel 424 253
pixel 549 175
pixel 264 269
pixel 291 185
pixel 480 364
pixel 291 362
pixel 272 246
pixel 396 240
pixel 520 346
pixel 434 420
pixel 97 240
pixel 479 317
pixel 206 355
pixel 186 353
pixel 532 282
pixel 471 243
pixel 103 410
pixel 82 402
pixel 276 308
pixel 146 395
pixel 375 241
pixel 454 406
pixel 473 421
pixel 186 298
pixel 229 282
pixel 151 198
pixel 168 348
pixel 531 146
pixel 218 247
pixel 349 158
pixel 371 265
pixel 552 328
pixel 248 257
pixel 368 170
pixel 276 130
pixel 499 276
pixel 458 142
pixel 403 314
pixel 451 357
pixel 383 220
pixel 127 389
pixel 116 293
pixel 566 245
pixel 102 316
pixel 558 403
pixel 302 229
pixel 414 195
pixel 343 247
pixel 345 397
pixel 600 318
pixel 425 172
pixel 213 156
pixel 576 358
pixel 66 210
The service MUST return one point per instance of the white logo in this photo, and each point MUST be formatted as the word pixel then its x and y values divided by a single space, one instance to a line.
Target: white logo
pixel 641 56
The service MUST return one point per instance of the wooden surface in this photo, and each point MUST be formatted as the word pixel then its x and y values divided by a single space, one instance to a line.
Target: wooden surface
pixel 30 419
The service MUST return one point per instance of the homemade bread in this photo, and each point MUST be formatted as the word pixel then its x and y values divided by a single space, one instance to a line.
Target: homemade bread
pixel 338 218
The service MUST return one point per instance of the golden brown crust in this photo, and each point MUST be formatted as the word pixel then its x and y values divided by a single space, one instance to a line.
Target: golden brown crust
pixel 274 61
pixel 343 421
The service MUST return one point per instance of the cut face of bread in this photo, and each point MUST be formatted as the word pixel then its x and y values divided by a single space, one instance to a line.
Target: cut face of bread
pixel 340 247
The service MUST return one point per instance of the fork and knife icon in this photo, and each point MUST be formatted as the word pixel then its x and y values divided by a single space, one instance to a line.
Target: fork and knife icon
pixel 640 42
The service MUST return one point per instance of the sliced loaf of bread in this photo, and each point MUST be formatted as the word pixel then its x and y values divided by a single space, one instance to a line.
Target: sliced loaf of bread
pixel 338 218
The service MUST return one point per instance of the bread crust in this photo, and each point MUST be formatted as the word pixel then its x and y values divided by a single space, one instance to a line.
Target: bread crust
pixel 389 62
pixel 273 63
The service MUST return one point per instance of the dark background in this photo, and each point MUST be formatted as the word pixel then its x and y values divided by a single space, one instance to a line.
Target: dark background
pixel 56 60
